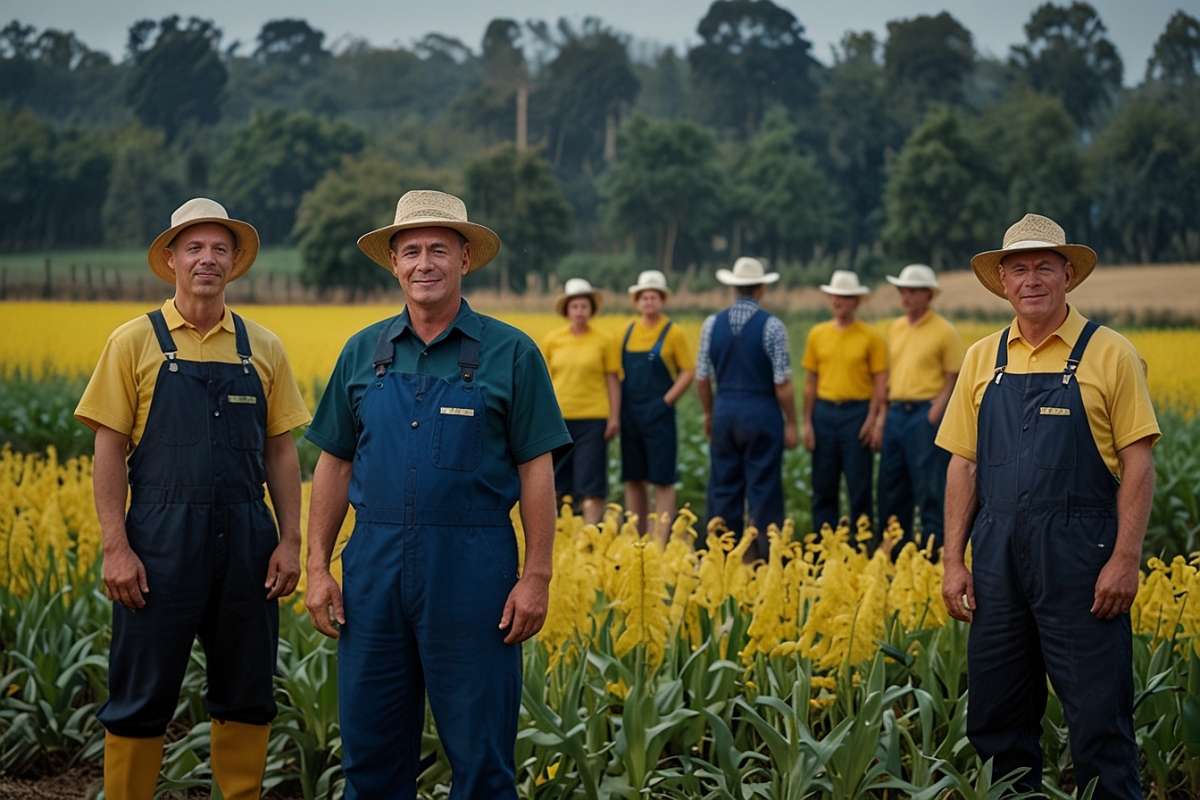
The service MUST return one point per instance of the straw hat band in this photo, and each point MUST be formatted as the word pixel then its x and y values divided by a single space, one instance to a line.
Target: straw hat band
pixel 1031 244
pixel 1033 232
pixel 430 209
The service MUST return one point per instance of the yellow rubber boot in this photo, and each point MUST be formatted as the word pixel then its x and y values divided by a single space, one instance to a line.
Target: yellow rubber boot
pixel 239 757
pixel 131 767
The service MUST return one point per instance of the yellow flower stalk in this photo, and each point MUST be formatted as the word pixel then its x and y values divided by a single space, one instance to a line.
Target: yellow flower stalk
pixel 641 595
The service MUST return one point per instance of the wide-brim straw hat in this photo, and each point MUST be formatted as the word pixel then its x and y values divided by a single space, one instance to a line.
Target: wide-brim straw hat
pixel 577 287
pixel 194 212
pixel 844 283
pixel 650 279
pixel 746 272
pixel 429 209
pixel 915 276
pixel 1033 232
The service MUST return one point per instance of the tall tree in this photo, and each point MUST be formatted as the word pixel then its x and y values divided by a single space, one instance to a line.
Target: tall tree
pixel 291 42
pixel 1176 58
pixel 491 108
pixel 274 160
pixel 179 79
pixel 516 195
pixel 1068 55
pixel 665 189
pixel 148 183
pixel 753 55
pixel 926 61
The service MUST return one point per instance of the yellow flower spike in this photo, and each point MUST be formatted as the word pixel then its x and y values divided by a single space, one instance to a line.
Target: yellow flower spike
pixel 642 596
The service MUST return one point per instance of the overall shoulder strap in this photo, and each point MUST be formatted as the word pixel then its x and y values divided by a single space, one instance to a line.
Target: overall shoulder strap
pixel 1081 344
pixel 468 356
pixel 243 341
pixel 165 342
pixel 1002 354
pixel 662 337
pixel 385 348
pixel 628 333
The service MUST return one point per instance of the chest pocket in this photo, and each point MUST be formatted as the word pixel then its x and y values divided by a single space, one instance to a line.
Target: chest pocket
pixel 244 422
pixel 1054 438
pixel 458 431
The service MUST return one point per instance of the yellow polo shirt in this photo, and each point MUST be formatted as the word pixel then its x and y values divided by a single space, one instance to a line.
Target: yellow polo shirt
pixel 676 353
pixel 920 356
pixel 121 388
pixel 578 366
pixel 845 361
pixel 1111 375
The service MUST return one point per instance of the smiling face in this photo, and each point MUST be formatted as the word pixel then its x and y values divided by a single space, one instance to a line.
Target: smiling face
pixel 843 306
pixel 202 256
pixel 579 311
pixel 650 303
pixel 915 301
pixel 430 264
pixel 1036 283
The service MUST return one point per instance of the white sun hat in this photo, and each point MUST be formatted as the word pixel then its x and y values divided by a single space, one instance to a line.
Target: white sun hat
pixel 650 279
pixel 1033 232
pixel 746 272
pixel 915 276
pixel 844 283
pixel 577 287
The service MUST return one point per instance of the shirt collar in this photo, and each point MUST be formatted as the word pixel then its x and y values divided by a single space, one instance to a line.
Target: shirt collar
pixel 175 320
pixel 1068 332
pixel 466 321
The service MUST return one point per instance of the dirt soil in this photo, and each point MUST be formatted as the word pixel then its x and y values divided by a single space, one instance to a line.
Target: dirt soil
pixel 81 783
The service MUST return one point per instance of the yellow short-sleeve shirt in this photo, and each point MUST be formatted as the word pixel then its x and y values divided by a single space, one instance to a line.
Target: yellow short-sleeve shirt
pixel 1112 382
pixel 676 352
pixel 578 369
pixel 121 388
pixel 920 356
pixel 845 361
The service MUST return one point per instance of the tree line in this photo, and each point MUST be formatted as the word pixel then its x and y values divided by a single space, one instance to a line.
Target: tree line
pixel 586 149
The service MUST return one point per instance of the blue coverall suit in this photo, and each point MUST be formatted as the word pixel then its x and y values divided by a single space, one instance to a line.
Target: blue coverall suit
pixel 199 524
pixel 747 431
pixel 1046 525
pixel 648 427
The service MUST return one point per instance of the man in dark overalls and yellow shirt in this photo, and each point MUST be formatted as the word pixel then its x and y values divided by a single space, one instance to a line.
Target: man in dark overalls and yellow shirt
pixel 1052 475
pixel 434 424
pixel 193 408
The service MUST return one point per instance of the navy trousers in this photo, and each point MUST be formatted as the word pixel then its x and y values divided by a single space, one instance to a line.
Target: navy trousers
pixel 912 473
pixel 839 452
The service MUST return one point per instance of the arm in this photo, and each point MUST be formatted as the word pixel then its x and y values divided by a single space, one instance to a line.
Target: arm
pixel 282 465
pixel 810 402
pixel 871 432
pixel 123 572
pixel 787 402
pixel 525 609
pixel 961 505
pixel 705 393
pixel 680 386
pixel 327 510
pixel 612 382
pixel 938 407
pixel 1118 582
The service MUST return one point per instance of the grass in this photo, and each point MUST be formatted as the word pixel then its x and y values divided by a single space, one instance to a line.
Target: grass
pixel 282 260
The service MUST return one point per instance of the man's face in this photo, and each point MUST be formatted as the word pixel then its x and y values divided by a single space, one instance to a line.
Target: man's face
pixel 1036 282
pixel 202 257
pixel 649 302
pixel 915 301
pixel 843 306
pixel 579 310
pixel 430 263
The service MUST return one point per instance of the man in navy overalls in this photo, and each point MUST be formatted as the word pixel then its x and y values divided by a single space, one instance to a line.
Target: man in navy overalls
pixel 753 416
pixel 434 424
pixel 1051 428
pixel 193 408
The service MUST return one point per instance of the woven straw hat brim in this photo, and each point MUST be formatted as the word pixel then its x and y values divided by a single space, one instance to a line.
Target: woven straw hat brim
pixel 729 279
pixel 485 244
pixel 560 305
pixel 245 235
pixel 987 265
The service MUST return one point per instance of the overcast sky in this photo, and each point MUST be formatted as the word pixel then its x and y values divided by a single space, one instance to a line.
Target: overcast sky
pixel 1133 25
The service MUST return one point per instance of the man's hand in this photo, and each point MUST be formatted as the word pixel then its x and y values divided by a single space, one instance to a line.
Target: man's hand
pixel 1115 588
pixel 810 437
pixel 323 599
pixel 708 427
pixel 125 577
pixel 790 437
pixel 283 572
pixel 525 609
pixel 876 438
pixel 958 592
pixel 612 428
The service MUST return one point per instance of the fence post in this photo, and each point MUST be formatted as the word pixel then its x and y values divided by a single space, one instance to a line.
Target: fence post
pixel 48 289
pixel 91 291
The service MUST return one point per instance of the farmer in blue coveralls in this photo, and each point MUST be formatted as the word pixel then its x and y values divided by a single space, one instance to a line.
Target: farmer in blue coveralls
pixel 1050 427
pixel 434 424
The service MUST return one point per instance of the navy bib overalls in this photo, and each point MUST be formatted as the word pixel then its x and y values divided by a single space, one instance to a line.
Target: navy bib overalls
pixel 426 573
pixel 1045 527
pixel 199 524
pixel 649 441
pixel 747 430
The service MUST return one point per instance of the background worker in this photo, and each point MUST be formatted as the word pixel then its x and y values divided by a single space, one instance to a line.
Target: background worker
pixel 658 367
pixel 1052 475
pixel 193 408
pixel 585 367
pixel 753 415
pixel 845 394
pixel 434 423
pixel 925 354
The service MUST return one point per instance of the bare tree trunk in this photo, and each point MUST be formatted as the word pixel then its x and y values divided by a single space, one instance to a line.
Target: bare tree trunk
pixel 610 137
pixel 669 246
pixel 522 118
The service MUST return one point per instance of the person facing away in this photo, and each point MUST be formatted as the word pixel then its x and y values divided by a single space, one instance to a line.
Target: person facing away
pixel 751 416
pixel 844 398
pixel 434 424
pixel 925 354
pixel 659 367
pixel 193 408
pixel 585 368
pixel 1051 476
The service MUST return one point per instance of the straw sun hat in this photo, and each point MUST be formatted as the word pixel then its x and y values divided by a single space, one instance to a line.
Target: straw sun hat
pixel 194 212
pixel 1033 232
pixel 746 272
pixel 844 283
pixel 429 209
pixel 577 287
pixel 915 276
pixel 650 279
